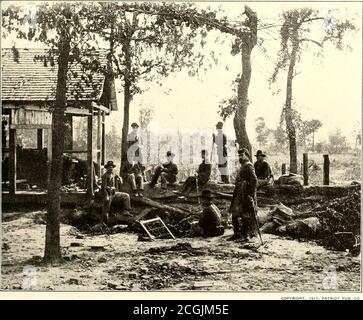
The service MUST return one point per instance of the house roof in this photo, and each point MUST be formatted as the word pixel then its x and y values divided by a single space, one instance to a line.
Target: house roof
pixel 31 75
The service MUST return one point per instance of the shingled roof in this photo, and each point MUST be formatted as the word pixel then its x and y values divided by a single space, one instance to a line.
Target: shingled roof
pixel 31 75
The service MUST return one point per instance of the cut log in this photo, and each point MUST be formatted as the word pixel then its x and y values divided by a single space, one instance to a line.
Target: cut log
pixel 158 205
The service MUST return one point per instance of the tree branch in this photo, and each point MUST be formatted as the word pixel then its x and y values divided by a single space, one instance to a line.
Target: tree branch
pixel 313 41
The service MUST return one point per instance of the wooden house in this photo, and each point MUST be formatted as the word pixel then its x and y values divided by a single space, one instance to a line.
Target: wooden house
pixel 29 79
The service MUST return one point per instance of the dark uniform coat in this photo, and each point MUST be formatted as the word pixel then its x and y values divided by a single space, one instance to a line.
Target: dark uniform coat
pixel 210 221
pixel 244 194
pixel 204 171
pixel 263 170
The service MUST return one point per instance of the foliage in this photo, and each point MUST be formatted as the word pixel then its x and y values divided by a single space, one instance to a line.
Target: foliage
pixel 337 142
pixel 146 114
pixel 262 132
pixel 296 31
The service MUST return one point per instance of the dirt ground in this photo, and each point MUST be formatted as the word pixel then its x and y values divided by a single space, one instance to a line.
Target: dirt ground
pixel 121 262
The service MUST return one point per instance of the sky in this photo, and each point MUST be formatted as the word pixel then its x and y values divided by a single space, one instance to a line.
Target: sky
pixel 329 88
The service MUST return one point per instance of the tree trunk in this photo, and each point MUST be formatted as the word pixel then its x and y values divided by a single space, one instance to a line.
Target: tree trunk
pixel 313 141
pixel 249 41
pixel 239 120
pixel 127 99
pixel 52 252
pixel 290 126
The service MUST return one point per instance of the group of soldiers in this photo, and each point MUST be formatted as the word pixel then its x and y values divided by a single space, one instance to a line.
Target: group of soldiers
pixel 243 205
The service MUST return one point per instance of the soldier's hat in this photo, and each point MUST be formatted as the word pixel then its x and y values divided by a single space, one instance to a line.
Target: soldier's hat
pixel 110 164
pixel 243 151
pixel 134 125
pixel 207 194
pixel 219 125
pixel 260 153
pixel 204 151
pixel 170 154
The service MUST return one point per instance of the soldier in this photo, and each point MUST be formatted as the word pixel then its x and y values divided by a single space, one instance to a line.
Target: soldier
pixel 221 141
pixel 110 186
pixel 209 224
pixel 131 173
pixel 202 177
pixel 244 198
pixel 167 171
pixel 263 170
pixel 135 146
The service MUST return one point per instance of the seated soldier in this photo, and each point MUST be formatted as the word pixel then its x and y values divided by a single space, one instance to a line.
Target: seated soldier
pixel 202 177
pixel 110 186
pixel 209 224
pixel 263 170
pixel 131 173
pixel 167 172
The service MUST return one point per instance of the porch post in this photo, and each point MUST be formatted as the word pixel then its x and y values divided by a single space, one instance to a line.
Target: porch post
pixel 90 156
pixel 12 161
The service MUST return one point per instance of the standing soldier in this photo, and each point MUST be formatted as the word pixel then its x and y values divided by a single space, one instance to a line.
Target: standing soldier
pixel 244 198
pixel 220 139
pixel 135 147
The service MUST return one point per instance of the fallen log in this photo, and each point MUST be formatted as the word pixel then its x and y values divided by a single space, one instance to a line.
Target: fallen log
pixel 158 205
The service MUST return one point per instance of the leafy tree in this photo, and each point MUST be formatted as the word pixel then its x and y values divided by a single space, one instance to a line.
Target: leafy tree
pixel 280 136
pixel 337 142
pixel 238 104
pixel 295 36
pixel 311 126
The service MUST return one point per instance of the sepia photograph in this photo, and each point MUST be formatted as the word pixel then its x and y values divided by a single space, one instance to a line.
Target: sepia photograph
pixel 206 147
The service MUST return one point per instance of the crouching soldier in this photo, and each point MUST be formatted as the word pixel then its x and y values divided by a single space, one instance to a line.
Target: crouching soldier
pixel 167 172
pixel 202 177
pixel 244 198
pixel 209 224
pixel 110 186
pixel 132 174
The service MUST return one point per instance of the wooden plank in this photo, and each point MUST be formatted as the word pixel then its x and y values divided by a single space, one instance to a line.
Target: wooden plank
pixel 89 158
pixel 77 111
pixel 326 169
pixel 40 139
pixel 30 126
pixel 306 169
pixel 75 151
pixel 283 168
pixel 99 142
pixel 27 197
pixel 68 134
pixel 12 161
pixel 103 143
pixel 100 107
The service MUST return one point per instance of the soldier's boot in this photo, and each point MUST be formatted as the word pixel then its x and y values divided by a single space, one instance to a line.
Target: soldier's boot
pixel 236 229
pixel 245 229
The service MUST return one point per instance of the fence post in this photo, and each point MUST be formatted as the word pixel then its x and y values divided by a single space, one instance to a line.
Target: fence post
pixel 305 169
pixel 283 168
pixel 326 169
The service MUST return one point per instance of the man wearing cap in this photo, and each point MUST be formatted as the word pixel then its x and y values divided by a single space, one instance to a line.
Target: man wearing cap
pixel 210 221
pixel 110 186
pixel 220 139
pixel 167 172
pixel 135 146
pixel 244 198
pixel 131 173
pixel 202 176
pixel 262 169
